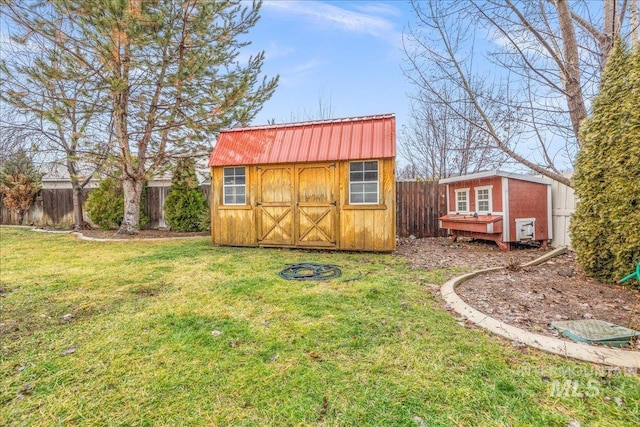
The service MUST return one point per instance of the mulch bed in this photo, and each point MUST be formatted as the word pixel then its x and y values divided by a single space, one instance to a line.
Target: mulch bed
pixel 528 298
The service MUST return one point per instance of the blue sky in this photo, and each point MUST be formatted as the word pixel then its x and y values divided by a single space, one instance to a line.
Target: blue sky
pixel 346 53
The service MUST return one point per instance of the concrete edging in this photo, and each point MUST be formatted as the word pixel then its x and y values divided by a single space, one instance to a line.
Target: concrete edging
pixel 150 239
pixel 81 236
pixel 42 230
pixel 584 352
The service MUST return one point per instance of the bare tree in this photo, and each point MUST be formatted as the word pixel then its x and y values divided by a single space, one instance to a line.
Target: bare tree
pixel 439 143
pixel 57 108
pixel 324 111
pixel 12 140
pixel 547 57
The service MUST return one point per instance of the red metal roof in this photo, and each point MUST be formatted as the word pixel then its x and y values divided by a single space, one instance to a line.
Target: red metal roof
pixel 354 138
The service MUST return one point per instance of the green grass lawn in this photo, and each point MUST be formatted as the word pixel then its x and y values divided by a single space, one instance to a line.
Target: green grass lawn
pixel 375 351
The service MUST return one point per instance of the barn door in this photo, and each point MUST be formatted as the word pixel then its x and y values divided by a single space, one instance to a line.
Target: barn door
pixel 316 211
pixel 275 215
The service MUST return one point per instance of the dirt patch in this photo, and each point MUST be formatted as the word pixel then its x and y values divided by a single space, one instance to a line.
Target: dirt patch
pixel 473 255
pixel 528 298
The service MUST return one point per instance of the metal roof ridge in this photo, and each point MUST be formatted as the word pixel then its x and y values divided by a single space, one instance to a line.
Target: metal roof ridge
pixel 313 122
pixel 496 172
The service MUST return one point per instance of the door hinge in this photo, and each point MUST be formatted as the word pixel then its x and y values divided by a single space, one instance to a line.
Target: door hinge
pixel 258 203
pixel 333 165
pixel 334 203
pixel 258 168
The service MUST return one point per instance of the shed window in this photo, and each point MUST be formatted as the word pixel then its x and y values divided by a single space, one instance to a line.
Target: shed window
pixel 462 200
pixel 235 186
pixel 483 199
pixel 363 183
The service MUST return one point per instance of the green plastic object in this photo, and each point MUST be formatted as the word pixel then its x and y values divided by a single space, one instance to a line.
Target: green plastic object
pixel 635 274
pixel 593 331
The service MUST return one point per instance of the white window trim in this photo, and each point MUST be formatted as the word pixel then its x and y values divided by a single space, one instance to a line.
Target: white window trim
pixel 225 186
pixel 484 187
pixel 457 191
pixel 377 182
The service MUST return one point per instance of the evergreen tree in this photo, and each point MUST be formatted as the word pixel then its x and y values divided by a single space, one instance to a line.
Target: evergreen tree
pixel 171 72
pixel 19 183
pixel 186 206
pixel 105 205
pixel 605 228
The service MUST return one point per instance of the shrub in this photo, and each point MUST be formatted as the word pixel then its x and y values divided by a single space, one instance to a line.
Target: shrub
pixel 605 229
pixel 186 208
pixel 105 204
pixel 19 184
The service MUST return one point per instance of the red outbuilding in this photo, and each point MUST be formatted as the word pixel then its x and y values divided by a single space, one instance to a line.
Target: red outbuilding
pixel 499 206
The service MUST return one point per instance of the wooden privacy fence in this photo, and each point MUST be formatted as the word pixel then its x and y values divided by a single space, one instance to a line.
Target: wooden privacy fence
pixel 418 206
pixel 54 208
pixel 155 203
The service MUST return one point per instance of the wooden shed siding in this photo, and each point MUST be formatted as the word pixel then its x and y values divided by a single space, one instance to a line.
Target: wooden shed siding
pixel 295 195
pixel 528 200
pixel 316 212
pixel 232 225
pixel 496 192
pixel 369 227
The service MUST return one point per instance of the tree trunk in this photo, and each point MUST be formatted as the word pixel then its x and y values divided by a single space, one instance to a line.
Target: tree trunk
pixel 610 14
pixel 635 24
pixel 571 73
pixel 132 196
pixel 78 217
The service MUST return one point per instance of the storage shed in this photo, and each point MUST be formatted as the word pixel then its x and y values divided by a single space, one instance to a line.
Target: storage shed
pixel 499 206
pixel 321 184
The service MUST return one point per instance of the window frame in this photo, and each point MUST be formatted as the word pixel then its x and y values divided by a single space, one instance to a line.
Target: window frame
pixel 364 182
pixel 457 192
pixel 226 186
pixel 489 199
